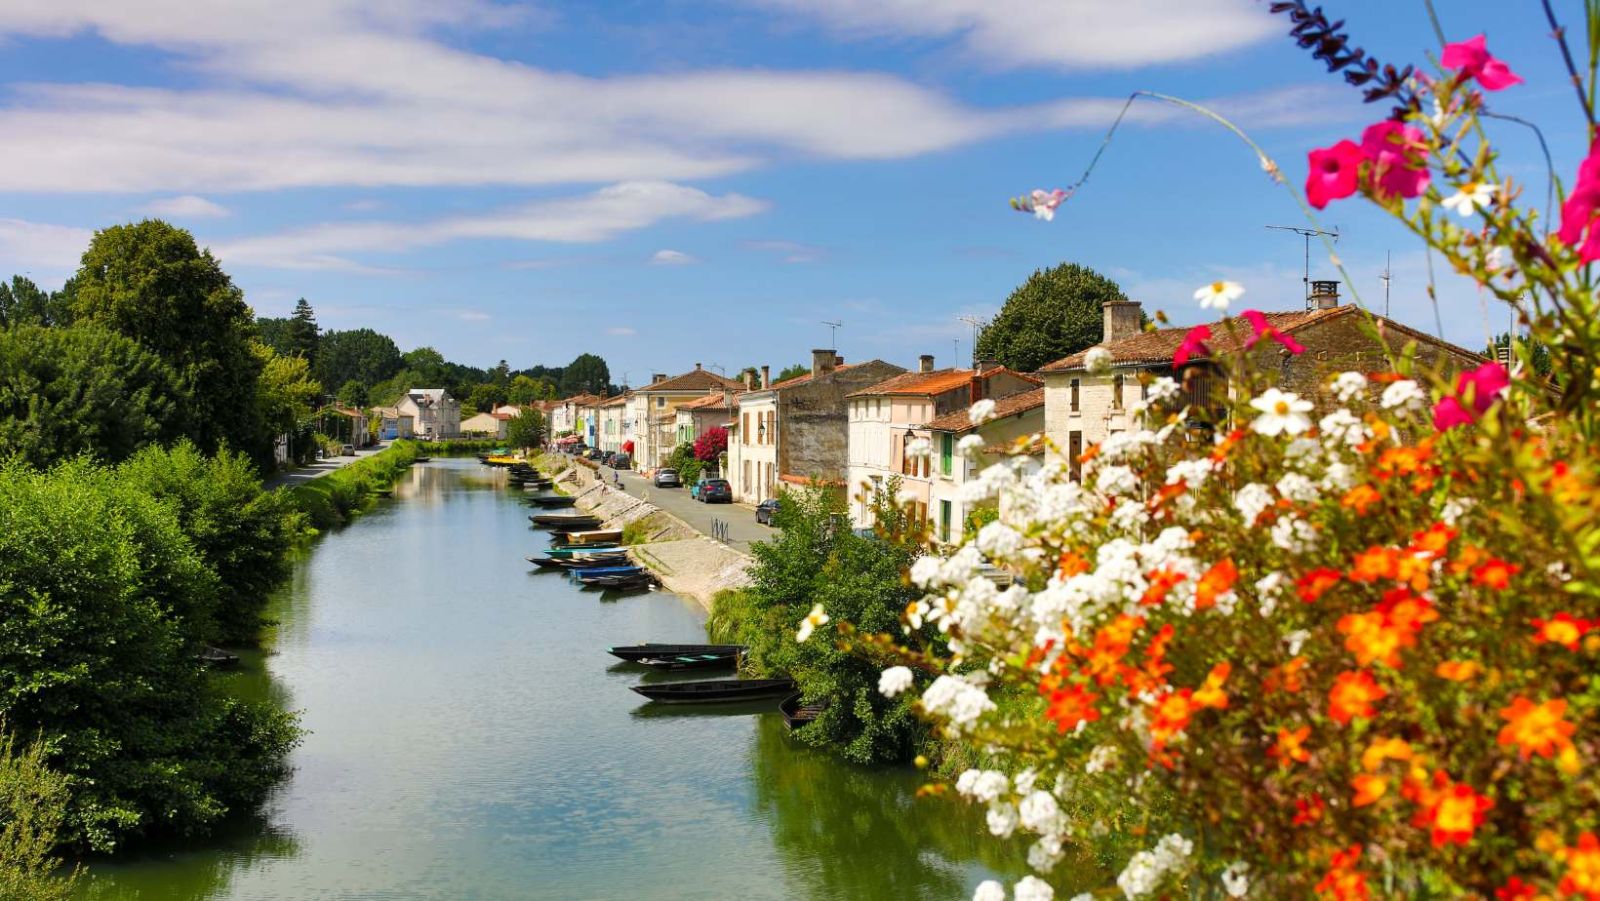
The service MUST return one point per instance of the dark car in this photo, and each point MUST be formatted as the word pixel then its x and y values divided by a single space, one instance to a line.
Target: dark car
pixel 607 457
pixel 621 461
pixel 766 510
pixel 716 491
pixel 593 453
pixel 667 478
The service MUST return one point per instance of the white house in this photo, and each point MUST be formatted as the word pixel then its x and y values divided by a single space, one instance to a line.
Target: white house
pixel 434 413
pixel 487 425
pixel 1018 418
pixel 653 411
pixel 615 423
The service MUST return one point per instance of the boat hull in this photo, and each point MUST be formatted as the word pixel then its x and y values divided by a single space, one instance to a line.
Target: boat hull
pixel 715 691
pixel 635 652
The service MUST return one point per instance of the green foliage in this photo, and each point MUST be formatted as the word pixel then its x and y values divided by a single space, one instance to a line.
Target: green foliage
pixel 816 559
pixel 790 372
pixel 302 332
pixel 33 809
pixel 336 497
pixel 23 303
pixel 286 392
pixel 105 606
pixel 242 532
pixel 637 532
pixel 360 355
pixel 586 374
pixel 1054 313
pixel 273 331
pixel 689 466
pixel 353 394
pixel 976 520
pixel 458 447
pixel 70 391
pixel 526 430
pixel 150 282
pixel 525 390
pixel 484 397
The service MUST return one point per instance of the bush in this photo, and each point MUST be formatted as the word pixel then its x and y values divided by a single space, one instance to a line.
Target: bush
pixel 333 499
pixel 33 809
pixel 106 603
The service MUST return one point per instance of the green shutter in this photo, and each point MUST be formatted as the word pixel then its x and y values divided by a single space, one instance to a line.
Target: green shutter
pixel 946 452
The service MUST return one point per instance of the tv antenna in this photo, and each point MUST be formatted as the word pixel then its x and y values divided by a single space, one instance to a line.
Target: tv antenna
pixel 833 332
pixel 1386 279
pixel 1308 234
pixel 976 323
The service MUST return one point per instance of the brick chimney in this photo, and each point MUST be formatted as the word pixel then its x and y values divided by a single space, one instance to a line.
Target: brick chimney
pixel 977 387
pixel 766 376
pixel 838 360
pixel 1121 319
pixel 1324 295
pixel 749 379
pixel 984 365
pixel 822 362
pixel 925 363
pixel 657 377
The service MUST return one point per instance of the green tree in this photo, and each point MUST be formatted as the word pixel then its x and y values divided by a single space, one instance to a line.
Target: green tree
pixel 22 302
pixel 353 394
pixel 1056 312
pixel 789 372
pixel 526 430
pixel 429 365
pixel 303 331
pixel 484 397
pixel 286 392
pixel 83 390
pixel 33 809
pixel 150 282
pixel 273 331
pixel 361 355
pixel 586 374
pixel 525 390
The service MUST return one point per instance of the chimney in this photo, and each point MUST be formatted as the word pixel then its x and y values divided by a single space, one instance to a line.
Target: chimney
pixel 697 367
pixel 838 360
pixel 749 379
pixel 986 365
pixel 657 377
pixel 1324 295
pixel 766 377
pixel 822 362
pixel 976 387
pixel 925 363
pixel 1121 320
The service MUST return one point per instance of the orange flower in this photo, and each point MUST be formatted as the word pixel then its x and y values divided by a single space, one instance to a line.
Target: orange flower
pixel 1563 629
pixel 1071 565
pixel 1375 563
pixel 1343 882
pixel 1496 574
pixel 1516 890
pixel 1360 498
pixel 1162 581
pixel 1071 706
pixel 1434 541
pixel 1217 581
pixel 1315 583
pixel 1384 749
pixel 1404 461
pixel 1111 644
pixel 1309 810
pixel 1352 695
pixel 1536 728
pixel 1211 694
pixel 1458 670
pixel 1469 556
pixel 1583 867
pixel 1456 813
pixel 1413 569
pixel 1370 637
pixel 1369 789
pixel 1226 446
pixel 1170 715
pixel 1290 746
pixel 1287 677
pixel 1405 610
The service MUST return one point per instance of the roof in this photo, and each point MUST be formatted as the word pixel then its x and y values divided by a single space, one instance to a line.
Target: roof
pixel 1159 346
pixel 617 401
pixel 434 395
pixel 581 400
pixel 802 379
pixel 702 380
pixel 959 421
pixel 928 384
pixel 503 417
pixel 709 402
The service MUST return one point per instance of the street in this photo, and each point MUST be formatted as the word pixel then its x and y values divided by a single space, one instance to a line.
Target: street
pixel 742 527
pixel 299 476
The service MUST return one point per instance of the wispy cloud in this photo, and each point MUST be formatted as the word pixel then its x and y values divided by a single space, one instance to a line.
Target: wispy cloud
pixel 672 258
pixel 473 316
pixel 621 331
pixel 56 248
pixel 788 251
pixel 187 206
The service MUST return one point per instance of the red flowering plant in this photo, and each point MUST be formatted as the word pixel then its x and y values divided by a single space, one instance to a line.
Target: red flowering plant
pixel 1342 640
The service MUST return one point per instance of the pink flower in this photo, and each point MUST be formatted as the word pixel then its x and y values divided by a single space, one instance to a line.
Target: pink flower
pixel 1486 384
pixel 1042 204
pixel 1193 343
pixel 1473 59
pixel 1448 413
pixel 1335 173
pixel 1578 211
pixel 1263 329
pixel 1399 155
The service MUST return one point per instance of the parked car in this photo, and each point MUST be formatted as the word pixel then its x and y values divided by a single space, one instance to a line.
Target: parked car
pixel 622 461
pixel 667 478
pixel 766 510
pixel 349 450
pixel 607 457
pixel 716 491
pixel 593 453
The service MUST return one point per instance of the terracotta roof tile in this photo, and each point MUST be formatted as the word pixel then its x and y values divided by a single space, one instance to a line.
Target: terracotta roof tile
pixel 801 379
pixel 703 380
pixel 710 401
pixel 617 401
pixel 959 421
pixel 921 384
pixel 581 400
pixel 1160 345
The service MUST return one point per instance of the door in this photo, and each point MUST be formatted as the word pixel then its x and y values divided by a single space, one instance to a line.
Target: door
pixel 944 521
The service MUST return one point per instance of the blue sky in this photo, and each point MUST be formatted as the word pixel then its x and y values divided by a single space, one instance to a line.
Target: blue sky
pixel 666 183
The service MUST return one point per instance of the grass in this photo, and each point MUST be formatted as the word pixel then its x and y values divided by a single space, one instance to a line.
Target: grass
pixel 335 498
pixel 458 447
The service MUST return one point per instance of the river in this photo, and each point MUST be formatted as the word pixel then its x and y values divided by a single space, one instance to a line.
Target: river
pixel 469 738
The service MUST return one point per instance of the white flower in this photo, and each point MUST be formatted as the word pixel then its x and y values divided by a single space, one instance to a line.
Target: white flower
pixel 1045 854
pixel 1218 295
pixel 1251 500
pixel 1297 487
pixel 1404 393
pixel 1163 389
pixel 1032 888
pixel 1269 588
pixel 925 570
pixel 1294 535
pixel 1471 197
pixel 1236 880
pixel 1002 820
pixel 1348 385
pixel 981 412
pixel 1044 203
pixel 1295 640
pixel 1281 413
pixel 1039 811
pixel 989 890
pixel 894 680
pixel 1102 758
pixel 957 699
pixel 969 443
pixel 919 449
pixel 808 625
pixel 1097 360
pixel 1342 425
pixel 1498 258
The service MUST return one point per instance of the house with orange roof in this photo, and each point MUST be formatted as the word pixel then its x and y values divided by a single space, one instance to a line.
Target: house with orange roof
pixel 1013 429
pixel 652 410
pixel 1083 408
pixel 797 430
pixel 890 418
pixel 613 426
pixel 694 418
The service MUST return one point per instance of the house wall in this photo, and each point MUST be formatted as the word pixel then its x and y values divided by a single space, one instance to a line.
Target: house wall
pixel 868 451
pixel 1342 344
pixel 1097 415
pixel 944 487
pixel 755 478
pixel 813 422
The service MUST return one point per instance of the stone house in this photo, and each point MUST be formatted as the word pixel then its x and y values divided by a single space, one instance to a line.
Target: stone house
pixel 575 415
pixel 614 426
pixel 692 419
pixel 1017 417
pixel 653 410
pixel 886 418
pixel 1083 408
pixel 797 430
pixel 486 425
pixel 434 413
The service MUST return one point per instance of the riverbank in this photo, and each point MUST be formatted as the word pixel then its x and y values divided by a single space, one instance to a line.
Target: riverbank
pixel 335 498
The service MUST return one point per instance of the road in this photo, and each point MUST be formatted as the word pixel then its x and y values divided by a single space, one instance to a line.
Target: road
pixel 292 477
pixel 741 518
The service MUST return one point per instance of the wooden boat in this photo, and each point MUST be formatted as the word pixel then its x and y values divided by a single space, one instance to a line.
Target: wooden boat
pixel 585 571
pixel 715 691
pixel 553 501
pixel 547 562
pixel 217 658
pixel 422 459
pixel 635 652
pixel 597 561
pixel 579 550
pixel 593 536
pixel 692 661
pixel 582 520
pixel 635 583
pixel 796 714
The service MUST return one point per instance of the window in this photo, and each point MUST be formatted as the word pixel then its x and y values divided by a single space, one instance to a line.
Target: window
pixel 1074 451
pixel 947 445
pixel 744 429
pixel 661 402
pixel 944 521
pixel 1074 395
pixel 1116 392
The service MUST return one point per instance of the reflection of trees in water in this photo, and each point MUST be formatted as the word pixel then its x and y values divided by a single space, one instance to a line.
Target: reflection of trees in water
pixel 191 870
pixel 845 831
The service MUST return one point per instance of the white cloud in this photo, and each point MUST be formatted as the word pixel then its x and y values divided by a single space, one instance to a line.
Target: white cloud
pixel 1058 34
pixel 588 218
pixel 788 251
pixel 672 258
pixel 56 248
pixel 621 331
pixel 187 206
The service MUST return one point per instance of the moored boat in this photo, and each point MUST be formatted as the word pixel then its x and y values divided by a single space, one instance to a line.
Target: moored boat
pixel 584 521
pixel 550 501
pixel 796 714
pixel 692 661
pixel 218 658
pixel 715 691
pixel 591 536
pixel 636 652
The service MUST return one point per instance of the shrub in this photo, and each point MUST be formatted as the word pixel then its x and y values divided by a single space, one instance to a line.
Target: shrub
pixel 33 809
pixel 333 499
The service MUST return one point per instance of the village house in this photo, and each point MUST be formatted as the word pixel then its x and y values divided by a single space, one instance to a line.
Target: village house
pixel 1084 408
pixel 653 411
pixel 615 426
pixel 795 431
pixel 486 425
pixel 1017 418
pixel 434 413
pixel 393 424
pixel 887 418
pixel 575 415
pixel 695 418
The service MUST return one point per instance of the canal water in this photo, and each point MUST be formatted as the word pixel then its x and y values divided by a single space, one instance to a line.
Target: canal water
pixel 469 738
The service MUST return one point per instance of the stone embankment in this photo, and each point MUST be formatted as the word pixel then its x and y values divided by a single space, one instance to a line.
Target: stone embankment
pixel 686 561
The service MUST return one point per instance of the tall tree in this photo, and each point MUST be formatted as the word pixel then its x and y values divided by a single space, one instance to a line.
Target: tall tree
pixel 287 391
pixel 525 390
pixel 152 283
pixel 360 354
pixel 23 302
pixel 303 332
pixel 353 394
pixel 587 374
pixel 789 372
pixel 273 331
pixel 1054 313
pixel 526 430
